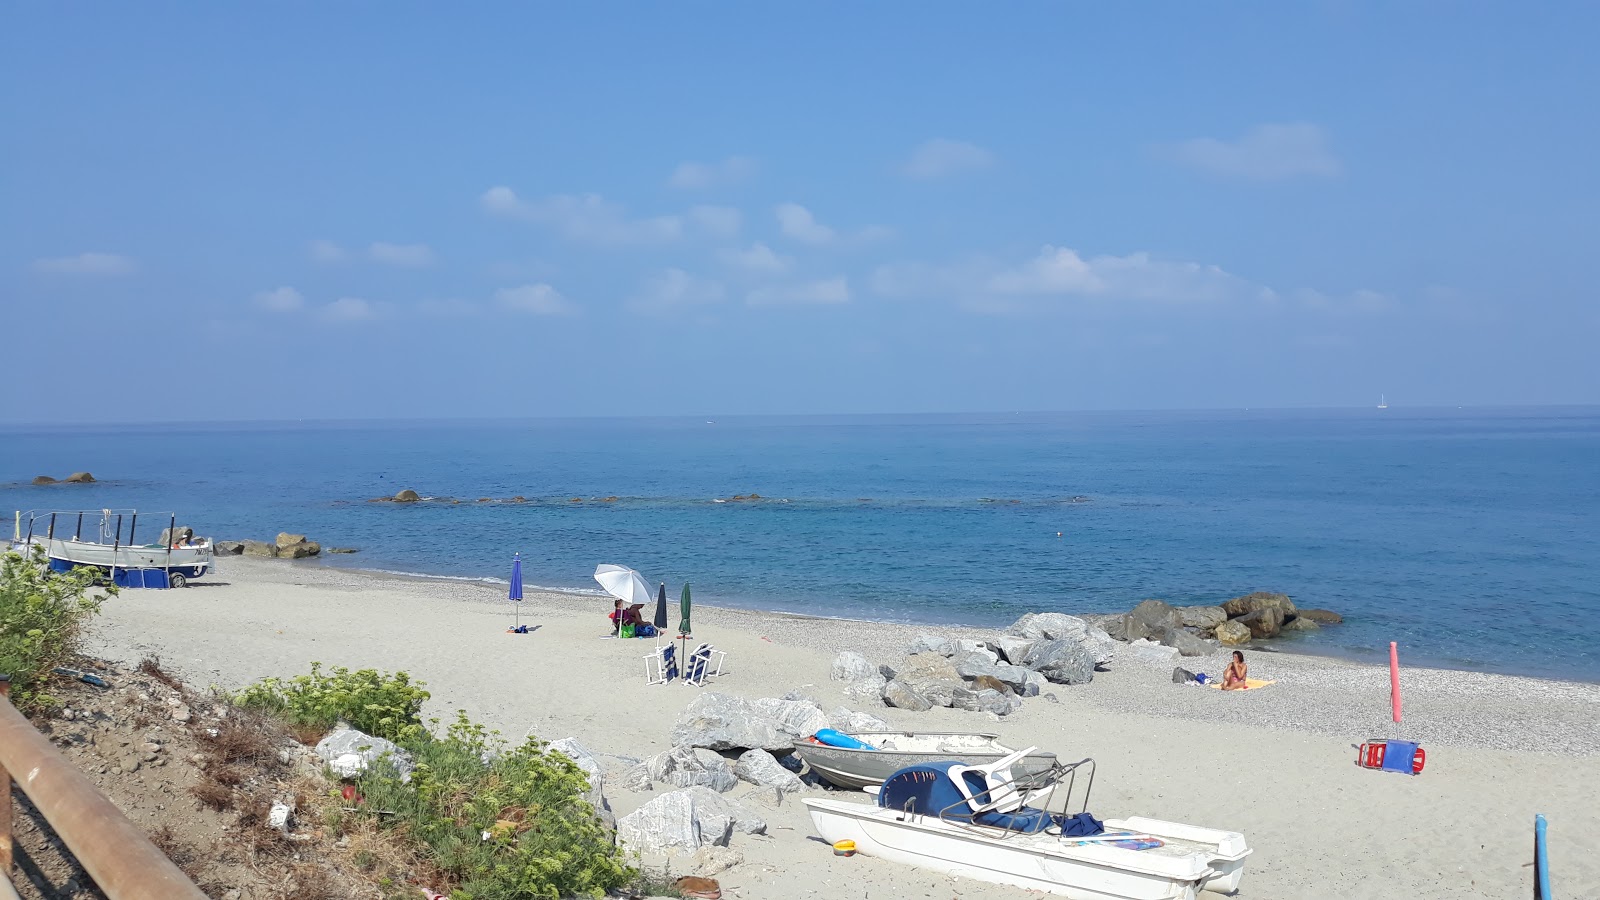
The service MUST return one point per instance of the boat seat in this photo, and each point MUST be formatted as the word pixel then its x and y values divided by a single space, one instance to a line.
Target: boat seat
pixel 991 788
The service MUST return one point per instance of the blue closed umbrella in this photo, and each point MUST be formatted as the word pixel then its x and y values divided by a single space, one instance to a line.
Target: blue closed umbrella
pixel 515 595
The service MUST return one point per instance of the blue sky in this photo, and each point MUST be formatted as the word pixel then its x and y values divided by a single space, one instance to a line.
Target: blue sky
pixel 377 210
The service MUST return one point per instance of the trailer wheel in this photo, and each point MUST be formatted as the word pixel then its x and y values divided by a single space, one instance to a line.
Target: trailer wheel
pixel 177 580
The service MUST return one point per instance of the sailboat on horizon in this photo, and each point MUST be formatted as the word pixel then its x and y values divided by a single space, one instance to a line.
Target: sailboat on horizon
pixel 1382 403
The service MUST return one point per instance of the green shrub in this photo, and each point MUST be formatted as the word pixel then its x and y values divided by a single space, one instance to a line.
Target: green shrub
pixel 501 824
pixel 41 620
pixel 386 706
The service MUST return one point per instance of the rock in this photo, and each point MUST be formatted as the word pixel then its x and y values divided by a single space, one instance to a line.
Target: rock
pixel 1157 616
pixel 1249 603
pixel 1232 634
pixel 710 803
pixel 637 778
pixel 407 496
pixel 278 816
pixel 1187 643
pixel 170 536
pixel 1266 622
pixel 80 478
pixel 1013 648
pixel 1034 685
pixel 671 822
pixel 343 550
pixel 848 721
pixel 685 767
pixel 259 548
pixel 971 664
pixel 350 752
pixel 1181 675
pixel 43 480
pixel 974 665
pixel 1063 662
pixel 983 701
pixel 571 749
pixel 299 551
pixel 760 768
pixel 1320 616
pixel 285 539
pixel 721 722
pixel 991 683
pixel 931 643
pixel 1126 628
pixel 965 646
pixel 851 666
pixel 1062 627
pixel 930 675
pixel 902 696
pixel 1301 623
pixel 713 860
pixel 227 548
pixel 796 718
pixel 866 688
pixel 1204 618
pixel 1150 651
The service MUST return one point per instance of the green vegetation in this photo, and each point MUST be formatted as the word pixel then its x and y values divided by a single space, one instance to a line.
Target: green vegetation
pixel 41 620
pixel 386 706
pixel 497 823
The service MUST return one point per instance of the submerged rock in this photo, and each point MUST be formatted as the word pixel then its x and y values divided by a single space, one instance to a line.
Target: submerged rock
pixel 1320 616
pixel 43 480
pixel 80 478
pixel 1250 603
pixel 1204 618
pixel 1266 622
pixel 406 496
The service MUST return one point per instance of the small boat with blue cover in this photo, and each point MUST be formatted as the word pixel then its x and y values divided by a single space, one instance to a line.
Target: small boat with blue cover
pixel 110 545
pixel 981 822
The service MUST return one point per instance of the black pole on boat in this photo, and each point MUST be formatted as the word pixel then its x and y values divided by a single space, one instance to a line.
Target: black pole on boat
pixel 29 542
pixel 172 538
pixel 51 534
pixel 78 533
pixel 133 525
pixel 115 546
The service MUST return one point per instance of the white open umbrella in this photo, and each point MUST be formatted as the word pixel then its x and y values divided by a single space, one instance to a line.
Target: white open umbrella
pixel 623 583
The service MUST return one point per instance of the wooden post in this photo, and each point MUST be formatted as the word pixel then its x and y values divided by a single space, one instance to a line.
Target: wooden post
pixel 5 796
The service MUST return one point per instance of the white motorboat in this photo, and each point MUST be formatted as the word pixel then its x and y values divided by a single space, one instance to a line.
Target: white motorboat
pixel 172 563
pixel 976 822
pixel 887 752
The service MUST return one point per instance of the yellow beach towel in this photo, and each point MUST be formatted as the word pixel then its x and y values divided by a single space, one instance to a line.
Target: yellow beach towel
pixel 1250 684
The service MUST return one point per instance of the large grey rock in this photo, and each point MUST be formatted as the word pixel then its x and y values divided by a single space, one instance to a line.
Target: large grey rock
pixel 967 645
pixel 349 752
pixel 672 822
pixel 721 722
pixel 929 675
pixel 902 696
pixel 575 751
pixel 1062 627
pixel 848 720
pixel 975 665
pixel 1232 634
pixel 260 548
pixel 1157 616
pixel 1063 662
pixel 1150 651
pixel 301 550
pixel 227 548
pixel 983 701
pixel 1033 685
pixel 971 664
pixel 932 643
pixel 851 666
pixel 1301 623
pixel 866 689
pixel 796 718
pixel 1204 618
pixel 1250 603
pixel 1265 622
pixel 760 768
pixel 1187 643
pixel 1013 648
pixel 711 803
pixel 285 539
pixel 687 767
pixel 407 496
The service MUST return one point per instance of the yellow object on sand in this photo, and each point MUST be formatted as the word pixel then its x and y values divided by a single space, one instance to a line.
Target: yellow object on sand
pixel 1250 684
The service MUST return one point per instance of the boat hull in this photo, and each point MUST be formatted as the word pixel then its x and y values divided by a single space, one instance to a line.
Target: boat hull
pixel 191 561
pixel 1036 863
pixel 856 769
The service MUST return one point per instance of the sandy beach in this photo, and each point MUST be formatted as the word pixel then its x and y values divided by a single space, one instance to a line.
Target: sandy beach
pixel 1276 764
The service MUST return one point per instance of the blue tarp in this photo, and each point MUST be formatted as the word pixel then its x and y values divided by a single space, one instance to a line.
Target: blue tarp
pixel 1398 756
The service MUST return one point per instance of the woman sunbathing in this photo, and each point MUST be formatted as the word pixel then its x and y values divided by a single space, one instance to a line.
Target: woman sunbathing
pixel 620 616
pixel 1233 677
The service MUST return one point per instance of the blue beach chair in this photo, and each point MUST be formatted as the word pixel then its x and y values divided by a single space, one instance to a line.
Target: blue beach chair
pixel 661 666
pixel 698 666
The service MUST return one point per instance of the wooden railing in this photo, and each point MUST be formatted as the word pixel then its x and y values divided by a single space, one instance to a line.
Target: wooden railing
pixel 114 851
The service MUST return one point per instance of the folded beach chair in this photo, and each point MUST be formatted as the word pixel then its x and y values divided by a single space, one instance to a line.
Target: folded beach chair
pixel 661 666
pixel 705 662
pixel 1392 756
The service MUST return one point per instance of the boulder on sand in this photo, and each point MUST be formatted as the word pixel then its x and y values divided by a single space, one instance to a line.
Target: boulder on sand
pixel 760 768
pixel 170 536
pixel 1265 622
pixel 1063 662
pixel 1249 603
pixel 718 721
pixel 1157 616
pixel 1062 627
pixel 260 548
pixel 300 550
pixel 902 696
pixel 1204 618
pixel 983 701
pixel 227 548
pixel 80 478
pixel 851 666
pixel 713 803
pixel 931 643
pixel 1187 643
pixel 672 822
pixel 285 539
pixel 848 720
pixel 1232 633
pixel 929 675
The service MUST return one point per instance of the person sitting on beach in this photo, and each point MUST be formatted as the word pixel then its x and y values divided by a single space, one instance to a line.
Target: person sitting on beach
pixel 1233 677
pixel 620 617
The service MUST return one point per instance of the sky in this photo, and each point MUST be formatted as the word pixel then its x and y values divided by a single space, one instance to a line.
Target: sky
pixel 365 210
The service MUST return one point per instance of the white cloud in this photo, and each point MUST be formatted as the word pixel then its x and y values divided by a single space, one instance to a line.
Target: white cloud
pixel 539 299
pixel 675 289
pixel 694 175
pixel 86 264
pixel 406 255
pixel 348 309
pixel 284 299
pixel 828 291
pixel 719 221
pixel 1265 152
pixel 585 217
pixel 941 157
pixel 798 223
pixel 759 258
pixel 326 251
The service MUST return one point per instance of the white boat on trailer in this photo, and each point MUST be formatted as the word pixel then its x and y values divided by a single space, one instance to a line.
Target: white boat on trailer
pixel 976 822
pixel 166 563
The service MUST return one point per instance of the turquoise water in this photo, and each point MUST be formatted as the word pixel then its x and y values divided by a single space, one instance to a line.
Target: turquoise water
pixel 1469 536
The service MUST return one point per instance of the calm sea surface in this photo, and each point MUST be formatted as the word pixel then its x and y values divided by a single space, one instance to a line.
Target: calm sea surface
pixel 1472 537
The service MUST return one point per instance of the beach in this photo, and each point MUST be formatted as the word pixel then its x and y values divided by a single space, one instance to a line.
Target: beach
pixel 1277 764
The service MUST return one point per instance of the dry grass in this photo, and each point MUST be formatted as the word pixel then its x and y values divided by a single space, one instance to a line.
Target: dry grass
pixel 151 666
pixel 211 794
pixel 245 739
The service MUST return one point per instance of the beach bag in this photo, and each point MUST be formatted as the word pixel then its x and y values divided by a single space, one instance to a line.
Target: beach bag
pixel 1181 675
pixel 627 631
pixel 644 631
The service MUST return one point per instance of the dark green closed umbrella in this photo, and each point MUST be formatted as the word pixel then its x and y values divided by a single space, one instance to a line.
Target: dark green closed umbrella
pixel 683 606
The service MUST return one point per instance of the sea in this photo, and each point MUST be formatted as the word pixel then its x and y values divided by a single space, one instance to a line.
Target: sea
pixel 1471 537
